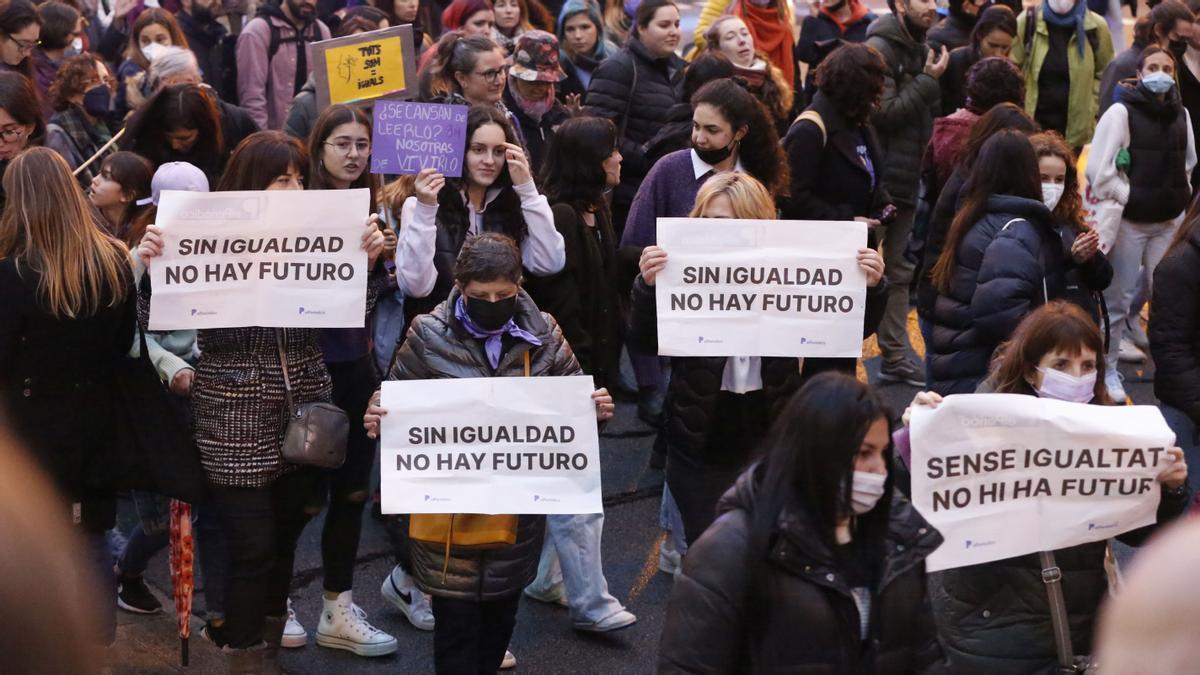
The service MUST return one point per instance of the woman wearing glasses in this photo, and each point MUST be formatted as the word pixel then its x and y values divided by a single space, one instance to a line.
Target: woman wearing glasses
pixel 339 151
pixel 82 95
pixel 21 122
pixel 20 33
pixel 468 70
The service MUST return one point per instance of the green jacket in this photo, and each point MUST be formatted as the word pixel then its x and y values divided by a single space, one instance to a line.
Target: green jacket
pixel 911 97
pixel 1085 73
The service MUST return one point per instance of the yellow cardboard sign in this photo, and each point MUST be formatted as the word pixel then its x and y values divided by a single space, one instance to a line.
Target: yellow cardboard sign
pixel 365 70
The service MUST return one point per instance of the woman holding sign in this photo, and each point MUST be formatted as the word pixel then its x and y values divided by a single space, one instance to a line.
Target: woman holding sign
pixel 339 150
pixel 488 327
pixel 241 415
pixel 719 407
pixel 815 565
pixel 995 618
pixel 495 194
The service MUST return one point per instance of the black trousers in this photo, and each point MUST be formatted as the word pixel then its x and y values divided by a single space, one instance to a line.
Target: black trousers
pixel 471 637
pixel 261 528
pixel 699 479
pixel 348 486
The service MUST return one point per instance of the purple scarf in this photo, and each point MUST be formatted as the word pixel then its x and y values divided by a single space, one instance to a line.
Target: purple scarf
pixel 492 338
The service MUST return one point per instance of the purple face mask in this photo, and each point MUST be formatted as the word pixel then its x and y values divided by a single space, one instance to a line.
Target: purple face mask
pixel 1066 387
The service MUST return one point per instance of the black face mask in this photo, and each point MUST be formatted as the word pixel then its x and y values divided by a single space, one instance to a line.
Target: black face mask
pixel 1177 48
pixel 491 316
pixel 717 156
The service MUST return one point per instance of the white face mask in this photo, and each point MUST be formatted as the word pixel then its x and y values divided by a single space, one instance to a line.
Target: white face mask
pixel 1062 6
pixel 1051 193
pixel 865 491
pixel 1066 387
pixel 77 45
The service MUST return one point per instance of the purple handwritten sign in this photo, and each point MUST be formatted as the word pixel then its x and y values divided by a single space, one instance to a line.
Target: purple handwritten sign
pixel 411 136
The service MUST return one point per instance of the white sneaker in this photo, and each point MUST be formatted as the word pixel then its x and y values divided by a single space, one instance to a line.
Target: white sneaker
pixel 669 559
pixel 509 661
pixel 344 626
pixel 399 589
pixel 1116 391
pixel 555 595
pixel 294 634
pixel 1133 329
pixel 1130 352
pixel 608 624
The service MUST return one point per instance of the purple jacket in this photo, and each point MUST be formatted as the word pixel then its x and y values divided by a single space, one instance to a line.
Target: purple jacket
pixel 668 191
pixel 266 87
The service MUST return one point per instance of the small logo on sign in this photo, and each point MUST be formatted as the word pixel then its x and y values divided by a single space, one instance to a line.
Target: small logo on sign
pixel 539 498
pixel 1101 526
pixel 201 312
pixel 970 543
pixel 314 312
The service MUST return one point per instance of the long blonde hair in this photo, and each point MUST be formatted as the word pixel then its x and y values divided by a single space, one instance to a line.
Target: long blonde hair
pixel 749 198
pixel 50 224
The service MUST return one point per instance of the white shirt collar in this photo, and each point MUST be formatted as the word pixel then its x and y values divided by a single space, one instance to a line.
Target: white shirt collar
pixel 701 167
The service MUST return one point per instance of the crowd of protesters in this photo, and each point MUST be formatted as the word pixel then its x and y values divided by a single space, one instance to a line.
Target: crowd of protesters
pixel 1028 194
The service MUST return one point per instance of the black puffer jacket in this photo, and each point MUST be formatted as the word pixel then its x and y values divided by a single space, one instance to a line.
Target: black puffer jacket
pixel 634 90
pixel 1159 184
pixel 904 121
pixel 813 627
pixel 828 179
pixel 994 618
pixel 695 388
pixel 438 347
pixel 1175 327
pixel 1010 262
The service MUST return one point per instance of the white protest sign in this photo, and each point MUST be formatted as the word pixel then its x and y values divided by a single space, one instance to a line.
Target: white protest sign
pixel 760 288
pixel 1002 475
pixel 490 445
pixel 275 258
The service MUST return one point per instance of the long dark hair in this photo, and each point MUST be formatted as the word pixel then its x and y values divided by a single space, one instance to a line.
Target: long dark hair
pixel 331 118
pixel 181 106
pixel 994 18
pixel 806 470
pixel 507 202
pixel 573 171
pixel 1007 165
pixel 262 157
pixel 759 151
pixel 133 173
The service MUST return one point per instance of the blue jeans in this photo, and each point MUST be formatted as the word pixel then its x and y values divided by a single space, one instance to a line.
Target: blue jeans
pixel 1187 438
pixel 150 537
pixel 670 520
pixel 571 554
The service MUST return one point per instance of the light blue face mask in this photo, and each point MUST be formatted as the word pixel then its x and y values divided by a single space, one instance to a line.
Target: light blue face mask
pixel 1158 83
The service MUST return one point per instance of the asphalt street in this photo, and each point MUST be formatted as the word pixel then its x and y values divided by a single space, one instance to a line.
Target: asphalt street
pixel 544 641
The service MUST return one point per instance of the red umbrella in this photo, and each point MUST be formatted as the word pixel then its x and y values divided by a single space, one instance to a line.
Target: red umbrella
pixel 182 571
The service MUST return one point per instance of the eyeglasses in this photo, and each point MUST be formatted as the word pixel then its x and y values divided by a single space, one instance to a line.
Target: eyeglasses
pixel 25 45
pixel 344 146
pixel 10 134
pixel 492 76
